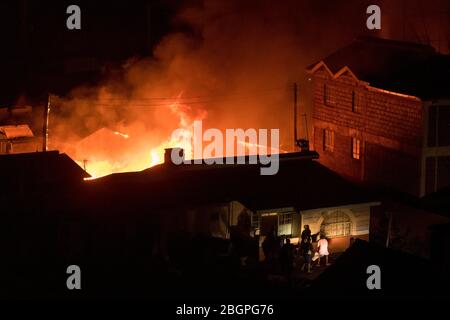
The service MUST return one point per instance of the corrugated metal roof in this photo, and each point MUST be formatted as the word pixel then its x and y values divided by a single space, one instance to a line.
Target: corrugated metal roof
pixel 13 132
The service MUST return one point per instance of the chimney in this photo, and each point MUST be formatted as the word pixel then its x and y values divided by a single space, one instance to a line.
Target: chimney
pixel 178 156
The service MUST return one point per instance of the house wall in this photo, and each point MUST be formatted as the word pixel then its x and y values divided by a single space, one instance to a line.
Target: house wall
pixel 291 228
pixel 19 146
pixel 389 126
pixel 212 219
pixel 436 152
pixel 359 216
pixel 408 228
pixel 208 219
pixel 235 208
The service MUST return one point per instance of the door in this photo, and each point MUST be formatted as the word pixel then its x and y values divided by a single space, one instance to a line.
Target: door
pixel 269 223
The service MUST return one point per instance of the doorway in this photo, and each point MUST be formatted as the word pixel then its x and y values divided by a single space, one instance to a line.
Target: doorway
pixel 269 223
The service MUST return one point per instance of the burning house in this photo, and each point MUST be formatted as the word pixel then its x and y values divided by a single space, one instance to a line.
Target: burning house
pixel 381 110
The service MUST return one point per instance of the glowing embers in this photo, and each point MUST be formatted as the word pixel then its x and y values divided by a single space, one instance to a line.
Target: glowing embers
pixel 123 135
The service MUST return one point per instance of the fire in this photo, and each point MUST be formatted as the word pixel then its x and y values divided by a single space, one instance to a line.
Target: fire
pixel 106 151
pixel 265 149
pixel 132 149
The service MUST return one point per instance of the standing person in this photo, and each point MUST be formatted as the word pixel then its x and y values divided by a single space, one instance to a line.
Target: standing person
pixel 287 257
pixel 306 250
pixel 269 245
pixel 322 248
pixel 306 233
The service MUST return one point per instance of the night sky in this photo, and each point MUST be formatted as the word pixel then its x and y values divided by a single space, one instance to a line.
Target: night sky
pixel 35 42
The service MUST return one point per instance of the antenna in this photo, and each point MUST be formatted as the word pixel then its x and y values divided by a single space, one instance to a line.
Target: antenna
pixel 295 113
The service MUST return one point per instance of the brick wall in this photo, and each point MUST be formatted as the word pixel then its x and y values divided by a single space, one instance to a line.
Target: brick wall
pixel 389 127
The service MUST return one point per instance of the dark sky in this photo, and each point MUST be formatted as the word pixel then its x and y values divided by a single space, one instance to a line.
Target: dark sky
pixel 37 48
pixel 35 40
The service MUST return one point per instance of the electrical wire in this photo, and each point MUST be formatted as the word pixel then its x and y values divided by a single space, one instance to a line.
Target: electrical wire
pixel 149 102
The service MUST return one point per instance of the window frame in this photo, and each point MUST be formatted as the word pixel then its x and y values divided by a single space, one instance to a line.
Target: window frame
pixel 356 153
pixel 328 140
pixel 328 99
pixel 285 220
pixel 355 104
pixel 339 221
pixel 256 221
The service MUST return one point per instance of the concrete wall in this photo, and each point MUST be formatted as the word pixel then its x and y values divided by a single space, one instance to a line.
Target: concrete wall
pixel 359 217
pixel 212 219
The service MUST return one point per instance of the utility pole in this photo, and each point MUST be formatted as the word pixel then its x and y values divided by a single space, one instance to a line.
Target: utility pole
pixel 295 113
pixel 45 127
pixel 388 237
pixel 302 144
pixel 306 126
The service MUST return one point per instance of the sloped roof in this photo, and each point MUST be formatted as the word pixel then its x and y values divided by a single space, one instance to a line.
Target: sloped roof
pixel 398 66
pixel 301 182
pixel 19 131
pixel 36 167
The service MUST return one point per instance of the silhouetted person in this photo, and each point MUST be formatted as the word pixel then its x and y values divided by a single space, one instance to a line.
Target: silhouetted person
pixel 269 245
pixel 306 233
pixel 287 257
pixel 240 237
pixel 306 250
pixel 352 241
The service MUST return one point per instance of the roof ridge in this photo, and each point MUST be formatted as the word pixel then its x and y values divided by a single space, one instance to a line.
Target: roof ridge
pixel 394 42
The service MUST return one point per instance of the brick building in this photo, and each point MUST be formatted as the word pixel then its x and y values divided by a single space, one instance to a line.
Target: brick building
pixel 381 114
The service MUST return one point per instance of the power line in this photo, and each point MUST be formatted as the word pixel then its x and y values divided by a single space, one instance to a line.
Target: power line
pixel 187 100
pixel 137 104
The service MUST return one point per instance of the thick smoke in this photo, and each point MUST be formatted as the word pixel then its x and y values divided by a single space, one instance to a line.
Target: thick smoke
pixel 234 68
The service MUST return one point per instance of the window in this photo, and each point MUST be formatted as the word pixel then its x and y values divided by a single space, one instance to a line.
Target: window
pixel 328 95
pixel 284 224
pixel 256 221
pixel 328 140
pixel 285 218
pixel 356 101
pixel 336 224
pixel 356 148
pixel 3 147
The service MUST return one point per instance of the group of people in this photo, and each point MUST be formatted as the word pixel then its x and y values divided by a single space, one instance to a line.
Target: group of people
pixel 307 250
pixel 286 254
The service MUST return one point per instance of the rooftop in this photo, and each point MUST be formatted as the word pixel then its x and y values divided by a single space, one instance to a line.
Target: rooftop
pixel 14 132
pixel 301 182
pixel 402 67
pixel 38 167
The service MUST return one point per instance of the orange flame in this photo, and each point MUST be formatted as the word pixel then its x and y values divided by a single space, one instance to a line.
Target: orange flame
pixel 104 165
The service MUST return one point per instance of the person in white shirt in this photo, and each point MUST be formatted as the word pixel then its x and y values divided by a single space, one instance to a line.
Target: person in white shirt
pixel 322 248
